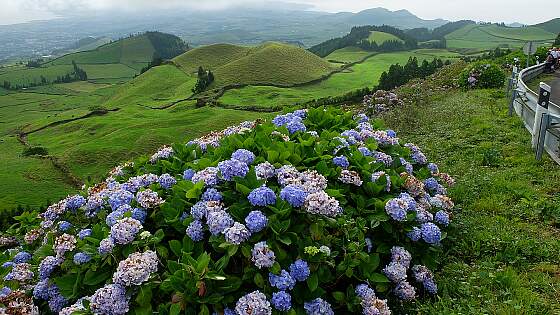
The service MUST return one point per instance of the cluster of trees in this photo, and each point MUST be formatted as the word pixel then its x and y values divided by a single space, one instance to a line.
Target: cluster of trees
pixel 34 63
pixel 156 61
pixel 399 75
pixel 167 46
pixel 557 41
pixel 423 34
pixel 77 74
pixel 358 37
pixel 205 78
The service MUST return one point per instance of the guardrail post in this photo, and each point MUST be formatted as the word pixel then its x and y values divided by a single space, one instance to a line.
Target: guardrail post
pixel 511 104
pixel 542 108
pixel 511 80
pixel 545 124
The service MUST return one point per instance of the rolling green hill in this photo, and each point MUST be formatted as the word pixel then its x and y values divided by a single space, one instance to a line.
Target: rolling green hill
pixel 117 61
pixel 489 36
pixel 381 37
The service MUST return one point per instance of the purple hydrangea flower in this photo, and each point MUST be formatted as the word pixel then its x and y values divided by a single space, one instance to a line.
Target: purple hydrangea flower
pixel 195 231
pixel 125 230
pixel 401 256
pixel 262 256
pixel 318 306
pixel 57 302
pixel 120 198
pixel 341 161
pixel 395 272
pixel 106 246
pixel 407 166
pixel 397 208
pixel 265 170
pixel 381 157
pixel 262 196
pixel 47 266
pixel 199 210
pixel 233 168
pixel 295 125
pixel 110 300
pixel 365 151
pixel 4 292
pixel 254 303
pixel 74 202
pixel 282 301
pixel 41 290
pixel 8 264
pixel 139 214
pixel 117 214
pixel 256 221
pixel 283 281
pixel 434 169
pixel 218 222
pixel 237 234
pixel 405 291
pixel 299 270
pixel 294 195
pixel 363 291
pixel 244 156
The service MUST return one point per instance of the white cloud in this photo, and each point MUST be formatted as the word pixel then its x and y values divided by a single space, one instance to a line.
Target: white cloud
pixel 488 10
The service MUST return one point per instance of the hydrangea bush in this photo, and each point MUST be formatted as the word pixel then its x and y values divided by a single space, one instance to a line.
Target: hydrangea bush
pixel 316 212
pixel 483 76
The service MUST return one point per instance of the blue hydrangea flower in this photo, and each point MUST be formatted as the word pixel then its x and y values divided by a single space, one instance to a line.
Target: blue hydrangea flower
pixel 442 218
pixel 81 258
pixel 74 202
pixel 361 118
pixel 166 181
pixel 218 222
pixel 363 291
pixel 120 198
pixel 117 214
pixel 401 255
pixel 22 257
pixel 262 196
pixel 199 210
pixel 57 302
pixel 318 306
pixel 188 174
pixel 283 281
pixel 397 208
pixel 301 113
pixel 184 216
pixel 431 184
pixel 256 221
pixel 195 231
pixel 282 120
pixel 237 234
pixel 244 156
pixel 430 286
pixel 64 226
pixel 369 244
pixel 233 168
pixel 8 264
pixel 5 291
pixel 262 255
pixel 84 233
pixel 47 266
pixel 265 170
pixel 365 151
pixel 282 301
pixel 294 195
pixel 211 194
pixel 341 161
pixel 384 158
pixel 407 166
pixel 391 133
pixel 415 235
pixel 296 125
pixel 124 231
pixel 139 214
pixel 299 270
pixel 41 290
pixel 434 169
pixel 431 233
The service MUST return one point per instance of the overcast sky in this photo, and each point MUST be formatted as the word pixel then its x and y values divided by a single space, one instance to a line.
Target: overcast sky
pixel 524 11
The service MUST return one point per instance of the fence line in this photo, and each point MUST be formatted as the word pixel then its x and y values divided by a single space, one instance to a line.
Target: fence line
pixel 540 117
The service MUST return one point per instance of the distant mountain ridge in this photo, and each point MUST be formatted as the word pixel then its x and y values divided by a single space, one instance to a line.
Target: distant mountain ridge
pixel 402 19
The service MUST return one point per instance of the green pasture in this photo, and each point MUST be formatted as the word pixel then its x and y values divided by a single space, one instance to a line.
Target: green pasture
pixel 485 37
pixel 210 57
pixel 348 55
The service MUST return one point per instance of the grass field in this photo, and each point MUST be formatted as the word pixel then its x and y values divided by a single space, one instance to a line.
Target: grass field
pixel 381 37
pixel 361 75
pixel 210 57
pixel 485 37
pixel 348 55
pixel 505 240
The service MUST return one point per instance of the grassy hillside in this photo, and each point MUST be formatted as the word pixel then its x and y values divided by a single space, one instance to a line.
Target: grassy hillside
pixel 381 37
pixel 275 64
pixel 209 57
pixel 348 55
pixel 482 37
pixel 552 26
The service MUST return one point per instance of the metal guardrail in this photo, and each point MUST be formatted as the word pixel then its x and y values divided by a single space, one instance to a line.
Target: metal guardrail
pixel 540 117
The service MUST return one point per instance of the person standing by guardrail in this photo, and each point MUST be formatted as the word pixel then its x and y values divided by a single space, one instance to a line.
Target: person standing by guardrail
pixel 550 62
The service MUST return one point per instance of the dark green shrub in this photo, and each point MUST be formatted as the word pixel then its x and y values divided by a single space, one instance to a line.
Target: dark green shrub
pixel 30 151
